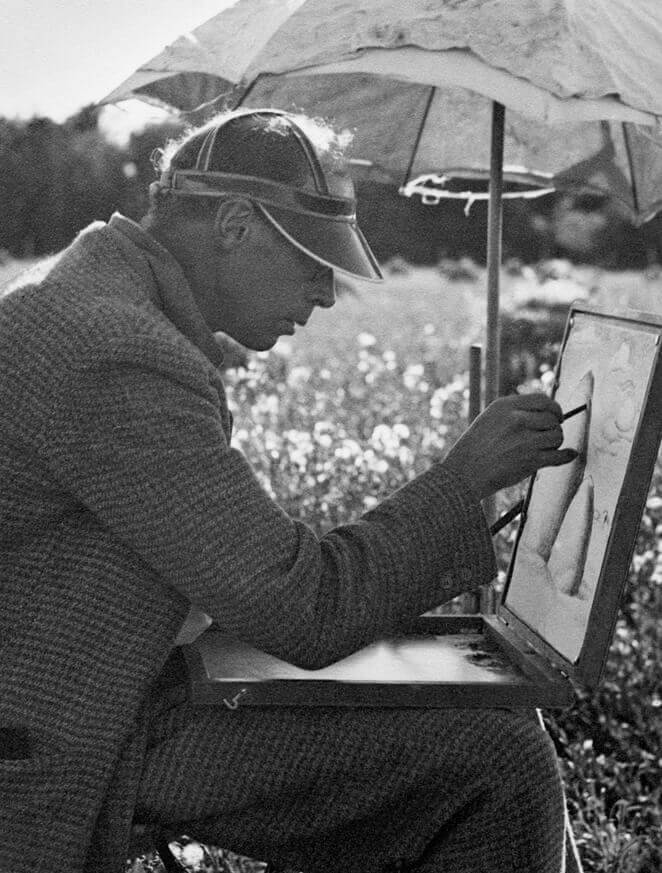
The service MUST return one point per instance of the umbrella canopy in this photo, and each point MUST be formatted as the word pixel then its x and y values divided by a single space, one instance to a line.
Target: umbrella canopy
pixel 419 84
pixel 417 80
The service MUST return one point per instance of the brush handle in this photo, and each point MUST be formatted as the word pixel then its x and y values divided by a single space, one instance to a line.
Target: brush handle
pixel 507 517
pixel 575 411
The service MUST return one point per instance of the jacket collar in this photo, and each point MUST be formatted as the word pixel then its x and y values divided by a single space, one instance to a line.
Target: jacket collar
pixel 174 296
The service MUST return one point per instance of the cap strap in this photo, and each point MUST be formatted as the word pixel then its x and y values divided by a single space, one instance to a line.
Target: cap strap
pixel 195 183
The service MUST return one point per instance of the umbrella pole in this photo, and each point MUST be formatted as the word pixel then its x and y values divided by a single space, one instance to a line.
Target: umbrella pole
pixel 494 233
pixel 494 227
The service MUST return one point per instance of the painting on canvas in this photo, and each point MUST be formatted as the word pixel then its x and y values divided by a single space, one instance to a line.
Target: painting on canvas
pixel 606 365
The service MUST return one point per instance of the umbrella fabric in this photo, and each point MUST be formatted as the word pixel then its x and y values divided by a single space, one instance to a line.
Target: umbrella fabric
pixel 605 47
pixel 392 71
pixel 403 131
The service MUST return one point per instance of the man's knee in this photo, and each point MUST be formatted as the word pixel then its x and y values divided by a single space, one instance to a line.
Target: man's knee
pixel 525 758
pixel 533 796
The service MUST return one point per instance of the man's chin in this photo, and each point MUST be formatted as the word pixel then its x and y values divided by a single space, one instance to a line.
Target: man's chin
pixel 252 343
pixel 262 345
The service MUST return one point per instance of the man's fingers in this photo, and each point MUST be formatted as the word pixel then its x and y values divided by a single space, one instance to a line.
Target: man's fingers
pixel 555 458
pixel 536 402
pixel 547 439
pixel 542 420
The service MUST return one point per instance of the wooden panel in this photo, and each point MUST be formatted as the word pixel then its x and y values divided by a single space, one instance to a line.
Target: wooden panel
pixel 446 661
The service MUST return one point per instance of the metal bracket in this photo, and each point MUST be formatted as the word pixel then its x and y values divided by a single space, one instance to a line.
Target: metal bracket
pixel 234 702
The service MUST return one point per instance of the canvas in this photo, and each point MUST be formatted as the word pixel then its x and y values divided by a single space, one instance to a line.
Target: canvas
pixel 606 364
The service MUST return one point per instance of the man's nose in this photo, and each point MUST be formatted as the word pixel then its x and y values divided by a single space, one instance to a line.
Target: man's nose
pixel 324 290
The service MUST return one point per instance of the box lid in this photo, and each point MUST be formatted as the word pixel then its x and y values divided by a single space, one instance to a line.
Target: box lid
pixel 577 532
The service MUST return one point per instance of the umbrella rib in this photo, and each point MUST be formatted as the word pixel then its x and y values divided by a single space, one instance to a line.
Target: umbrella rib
pixel 212 103
pixel 419 135
pixel 248 90
pixel 633 178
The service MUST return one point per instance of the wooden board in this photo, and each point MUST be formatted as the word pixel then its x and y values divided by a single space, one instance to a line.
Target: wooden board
pixel 451 661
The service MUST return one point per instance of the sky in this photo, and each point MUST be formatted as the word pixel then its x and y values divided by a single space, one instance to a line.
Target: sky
pixel 59 55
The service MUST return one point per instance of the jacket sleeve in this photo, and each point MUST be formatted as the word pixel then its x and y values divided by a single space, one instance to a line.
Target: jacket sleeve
pixel 137 436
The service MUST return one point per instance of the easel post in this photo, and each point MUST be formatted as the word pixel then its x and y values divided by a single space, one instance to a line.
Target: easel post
pixel 472 601
pixel 475 380
pixel 494 248
pixel 494 245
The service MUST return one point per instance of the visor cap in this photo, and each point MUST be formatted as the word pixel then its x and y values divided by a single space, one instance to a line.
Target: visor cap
pixel 304 191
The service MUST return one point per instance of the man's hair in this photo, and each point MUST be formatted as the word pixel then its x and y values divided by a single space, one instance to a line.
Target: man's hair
pixel 249 144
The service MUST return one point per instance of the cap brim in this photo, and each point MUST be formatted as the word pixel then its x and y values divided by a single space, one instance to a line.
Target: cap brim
pixel 337 243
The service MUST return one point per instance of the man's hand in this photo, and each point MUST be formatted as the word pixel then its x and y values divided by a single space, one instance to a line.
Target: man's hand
pixel 509 441
pixel 196 623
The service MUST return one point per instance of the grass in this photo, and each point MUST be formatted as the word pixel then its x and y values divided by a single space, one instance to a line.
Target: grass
pixel 361 400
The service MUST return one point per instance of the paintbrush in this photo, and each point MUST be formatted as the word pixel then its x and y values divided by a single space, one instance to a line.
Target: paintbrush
pixel 575 411
pixel 517 508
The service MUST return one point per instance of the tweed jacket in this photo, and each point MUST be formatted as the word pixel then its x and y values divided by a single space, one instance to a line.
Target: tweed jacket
pixel 123 502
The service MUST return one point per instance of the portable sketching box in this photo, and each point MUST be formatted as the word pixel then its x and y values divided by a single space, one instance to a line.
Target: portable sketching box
pixel 566 577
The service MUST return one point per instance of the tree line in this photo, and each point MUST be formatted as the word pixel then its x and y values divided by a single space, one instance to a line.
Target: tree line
pixel 57 178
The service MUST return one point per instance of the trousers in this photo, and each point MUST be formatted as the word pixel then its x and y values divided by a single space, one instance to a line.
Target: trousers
pixel 333 789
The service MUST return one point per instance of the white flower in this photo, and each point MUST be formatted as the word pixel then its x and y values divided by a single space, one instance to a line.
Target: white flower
pixel 366 340
pixel 348 449
pixel 298 376
pixel 192 855
pixel 441 396
pixel 412 376
pixel 283 348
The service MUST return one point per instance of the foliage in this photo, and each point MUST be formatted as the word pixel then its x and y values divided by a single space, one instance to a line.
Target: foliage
pixel 58 178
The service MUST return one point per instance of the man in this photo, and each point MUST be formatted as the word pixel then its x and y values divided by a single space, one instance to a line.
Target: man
pixel 125 509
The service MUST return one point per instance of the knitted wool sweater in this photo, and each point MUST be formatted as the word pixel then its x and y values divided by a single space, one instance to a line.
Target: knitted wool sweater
pixel 123 502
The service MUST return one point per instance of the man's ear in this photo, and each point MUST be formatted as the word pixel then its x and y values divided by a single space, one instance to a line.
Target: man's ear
pixel 233 222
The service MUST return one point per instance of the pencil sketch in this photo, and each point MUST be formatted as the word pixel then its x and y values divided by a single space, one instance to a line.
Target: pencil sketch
pixel 556 488
pixel 565 535
pixel 568 557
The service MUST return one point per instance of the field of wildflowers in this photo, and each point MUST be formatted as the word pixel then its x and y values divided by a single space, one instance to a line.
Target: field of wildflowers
pixel 339 416
pixel 365 397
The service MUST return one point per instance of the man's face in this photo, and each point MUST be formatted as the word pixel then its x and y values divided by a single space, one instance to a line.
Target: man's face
pixel 271 288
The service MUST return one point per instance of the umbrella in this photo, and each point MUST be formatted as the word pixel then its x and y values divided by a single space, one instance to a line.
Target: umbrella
pixel 422 84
